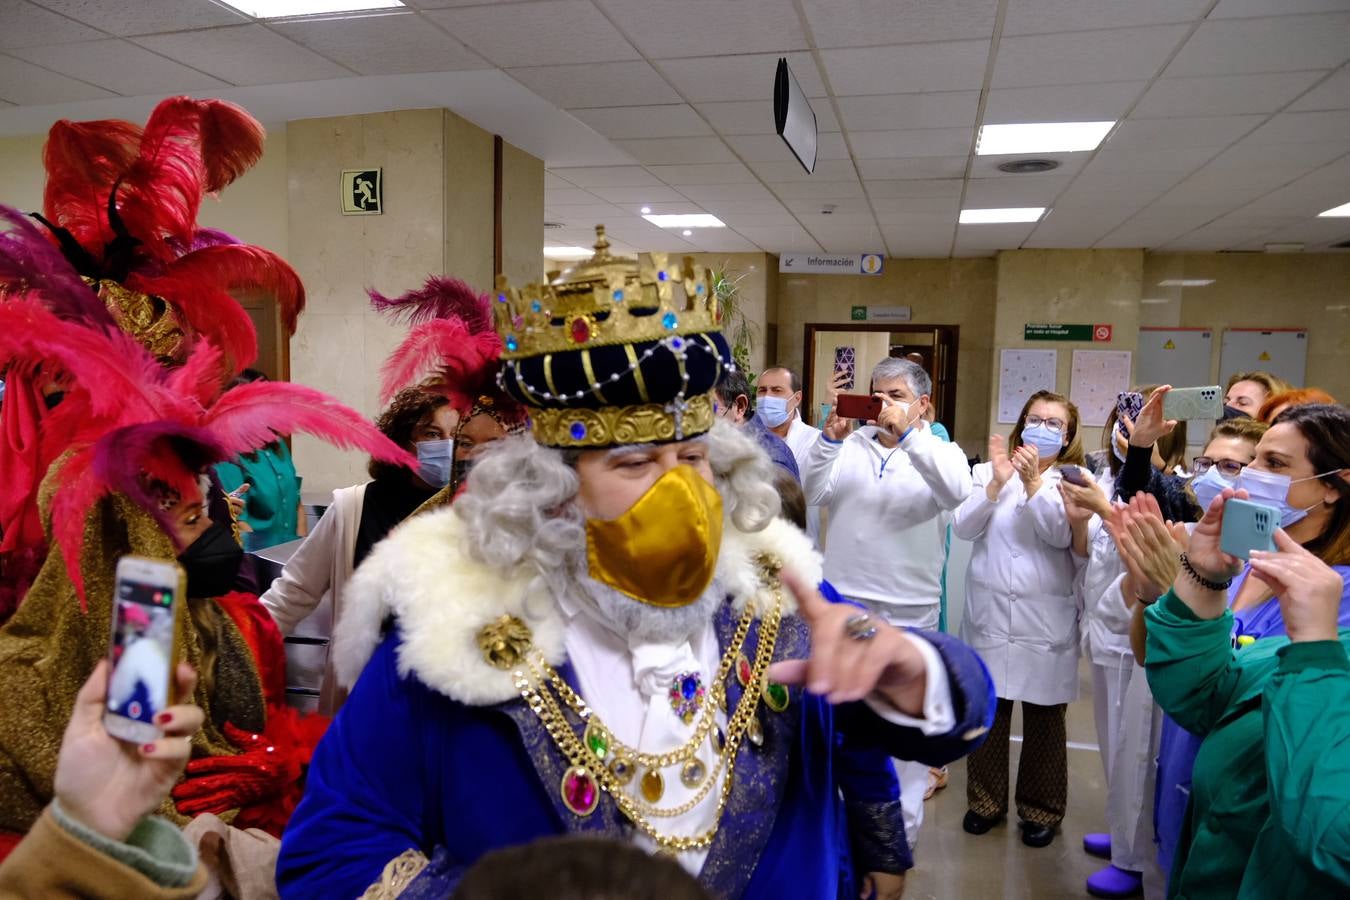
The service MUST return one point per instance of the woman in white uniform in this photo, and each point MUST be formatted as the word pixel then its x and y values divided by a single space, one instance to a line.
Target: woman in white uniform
pixel 1022 615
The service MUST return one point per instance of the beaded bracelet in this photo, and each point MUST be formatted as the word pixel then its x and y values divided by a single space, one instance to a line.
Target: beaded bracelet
pixel 1200 579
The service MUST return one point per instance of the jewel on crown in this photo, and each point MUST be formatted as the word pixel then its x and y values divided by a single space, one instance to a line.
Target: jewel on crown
pixel 606 300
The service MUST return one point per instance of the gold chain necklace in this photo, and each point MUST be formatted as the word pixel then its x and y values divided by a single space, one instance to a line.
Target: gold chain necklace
pixel 588 775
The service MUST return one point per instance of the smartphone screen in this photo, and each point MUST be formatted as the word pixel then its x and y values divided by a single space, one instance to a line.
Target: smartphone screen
pixel 844 360
pixel 142 650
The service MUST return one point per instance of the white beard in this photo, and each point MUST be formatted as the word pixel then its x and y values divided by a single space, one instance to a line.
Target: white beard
pixel 641 622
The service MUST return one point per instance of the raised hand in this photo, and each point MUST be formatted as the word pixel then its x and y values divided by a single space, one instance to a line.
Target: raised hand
pixel 894 418
pixel 1147 547
pixel 1082 502
pixel 1026 459
pixel 836 428
pixel 1206 558
pixel 838 384
pixel 110 785
pixel 847 663
pixel 1309 590
pixel 1150 425
pixel 998 455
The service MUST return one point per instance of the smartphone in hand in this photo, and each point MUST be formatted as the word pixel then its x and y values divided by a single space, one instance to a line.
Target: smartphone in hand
pixel 844 358
pixel 1247 526
pixel 858 406
pixel 1193 403
pixel 1075 475
pixel 1128 405
pixel 148 598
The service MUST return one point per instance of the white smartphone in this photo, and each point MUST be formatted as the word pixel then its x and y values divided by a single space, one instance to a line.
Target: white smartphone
pixel 147 598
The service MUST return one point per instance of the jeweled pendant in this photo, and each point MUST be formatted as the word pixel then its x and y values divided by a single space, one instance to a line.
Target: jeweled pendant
pixel 580 793
pixel 776 696
pixel 597 740
pixel 686 695
pixel 719 740
pixel 652 785
pixel 693 773
pixel 755 732
pixel 622 768
pixel 743 670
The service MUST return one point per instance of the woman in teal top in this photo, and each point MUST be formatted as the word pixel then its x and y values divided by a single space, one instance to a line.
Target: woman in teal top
pixel 1269 815
pixel 272 506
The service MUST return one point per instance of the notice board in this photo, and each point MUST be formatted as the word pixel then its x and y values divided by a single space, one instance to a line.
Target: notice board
pixel 1280 351
pixel 1176 356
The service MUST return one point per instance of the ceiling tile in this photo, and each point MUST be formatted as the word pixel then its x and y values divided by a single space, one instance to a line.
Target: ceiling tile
pixel 27 85
pixel 867 23
pixel 948 109
pixel 564 196
pixel 912 142
pixel 607 176
pixel 916 205
pixel 27 25
pixel 544 33
pixel 1046 16
pixel 706 173
pixel 244 54
pixel 384 45
pixel 747 77
pixel 1151 184
pixel 985 193
pixel 638 195
pixel 1230 9
pixel 934 221
pixel 1082 201
pixel 1248 156
pixel 620 122
pixel 770 147
pixel 553 182
pixel 1170 134
pixel 146 16
pixel 756 116
pixel 781 239
pixel 1283 44
pixel 1334 93
pixel 119 66
pixel 710 194
pixel 1181 161
pixel 791 170
pixel 1223 95
pixel 917 240
pixel 993 237
pixel 669 208
pixel 913 190
pixel 848 208
pixel 585 215
pixel 713 27
pixel 598 84
pixel 912 68
pixel 1299 127
pixel 849 239
pixel 722 240
pixel 1220 190
pixel 988 166
pixel 814 218
pixel 1107 101
pixel 749 212
pixel 1121 54
pixel 815 190
pixel 677 151
pixel 927 167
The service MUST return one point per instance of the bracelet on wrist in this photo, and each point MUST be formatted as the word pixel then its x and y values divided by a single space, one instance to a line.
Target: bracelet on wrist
pixel 1202 580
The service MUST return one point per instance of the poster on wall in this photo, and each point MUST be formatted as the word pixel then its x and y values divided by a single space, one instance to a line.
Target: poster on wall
pixel 1282 352
pixel 1022 373
pixel 1097 376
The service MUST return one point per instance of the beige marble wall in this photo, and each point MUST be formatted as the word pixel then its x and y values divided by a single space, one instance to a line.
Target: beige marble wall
pixel 467 202
pixel 1068 286
pixel 522 214
pixel 1251 290
pixel 957 292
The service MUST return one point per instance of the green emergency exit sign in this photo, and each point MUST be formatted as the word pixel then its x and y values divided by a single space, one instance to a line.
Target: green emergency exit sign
pixel 1057 332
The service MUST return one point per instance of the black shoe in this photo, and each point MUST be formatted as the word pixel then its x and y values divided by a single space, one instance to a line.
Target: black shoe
pixel 1034 835
pixel 974 823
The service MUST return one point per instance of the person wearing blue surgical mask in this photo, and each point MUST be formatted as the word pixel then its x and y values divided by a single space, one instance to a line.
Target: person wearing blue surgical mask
pixel 778 400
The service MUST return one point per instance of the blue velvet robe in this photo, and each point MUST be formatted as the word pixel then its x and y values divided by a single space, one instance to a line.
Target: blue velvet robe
pixel 405 767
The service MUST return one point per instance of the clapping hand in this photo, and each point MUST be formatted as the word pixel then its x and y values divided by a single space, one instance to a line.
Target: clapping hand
pixel 853 654
pixel 1310 591
pixel 1149 547
pixel 1026 459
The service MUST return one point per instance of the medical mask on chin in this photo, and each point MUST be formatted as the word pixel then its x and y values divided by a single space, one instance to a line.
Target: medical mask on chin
pixel 1047 441
pixel 434 459
pixel 663 551
pixel 772 411
pixel 1272 489
pixel 1208 486
pixel 1116 434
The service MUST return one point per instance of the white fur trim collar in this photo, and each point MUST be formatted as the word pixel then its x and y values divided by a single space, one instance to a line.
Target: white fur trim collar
pixel 443 599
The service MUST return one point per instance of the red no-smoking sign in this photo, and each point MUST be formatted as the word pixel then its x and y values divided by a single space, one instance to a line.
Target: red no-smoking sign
pixel 1101 333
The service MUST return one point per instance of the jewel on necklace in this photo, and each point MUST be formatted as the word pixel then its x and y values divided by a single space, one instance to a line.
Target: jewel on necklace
pixel 693 772
pixel 597 740
pixel 580 793
pixel 653 785
pixel 755 732
pixel 719 739
pixel 776 695
pixel 622 768
pixel 743 670
pixel 686 695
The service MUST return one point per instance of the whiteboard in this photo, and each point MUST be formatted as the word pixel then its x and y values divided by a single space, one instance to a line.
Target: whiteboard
pixel 1176 356
pixel 1281 352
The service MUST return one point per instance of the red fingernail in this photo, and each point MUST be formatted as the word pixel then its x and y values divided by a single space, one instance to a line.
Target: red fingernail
pixel 147 748
pixel 164 717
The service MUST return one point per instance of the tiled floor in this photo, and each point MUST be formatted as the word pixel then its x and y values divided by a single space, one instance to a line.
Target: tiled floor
pixel 953 865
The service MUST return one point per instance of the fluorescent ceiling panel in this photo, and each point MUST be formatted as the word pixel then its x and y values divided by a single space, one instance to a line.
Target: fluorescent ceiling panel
pixel 284 9
pixel 1007 214
pixel 1041 137
pixel 1336 212
pixel 687 220
pixel 564 252
pixel 1186 282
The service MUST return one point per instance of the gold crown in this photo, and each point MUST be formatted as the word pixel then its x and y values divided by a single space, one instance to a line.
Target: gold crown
pixel 606 300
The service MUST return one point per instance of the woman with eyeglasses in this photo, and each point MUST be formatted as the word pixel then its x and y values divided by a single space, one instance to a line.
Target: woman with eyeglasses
pixel 1022 614
pixel 1301 468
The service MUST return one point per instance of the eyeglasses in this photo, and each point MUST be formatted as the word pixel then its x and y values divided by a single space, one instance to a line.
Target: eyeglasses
pixel 1228 468
pixel 1052 424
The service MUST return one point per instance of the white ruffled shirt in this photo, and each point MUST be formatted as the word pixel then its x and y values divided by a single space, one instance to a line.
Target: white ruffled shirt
pixel 627 685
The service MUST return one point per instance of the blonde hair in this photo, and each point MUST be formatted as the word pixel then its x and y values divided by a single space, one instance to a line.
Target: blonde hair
pixel 1073 449
pixel 1272 384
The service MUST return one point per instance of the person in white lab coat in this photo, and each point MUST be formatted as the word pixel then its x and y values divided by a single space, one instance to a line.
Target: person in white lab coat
pixel 890 489
pixel 778 401
pixel 1021 614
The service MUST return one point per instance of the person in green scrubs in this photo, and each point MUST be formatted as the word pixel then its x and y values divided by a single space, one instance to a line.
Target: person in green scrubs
pixel 1269 814
pixel 267 483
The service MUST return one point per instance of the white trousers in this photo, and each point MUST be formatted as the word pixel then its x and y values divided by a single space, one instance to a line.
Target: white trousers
pixel 1108 697
pixel 1129 795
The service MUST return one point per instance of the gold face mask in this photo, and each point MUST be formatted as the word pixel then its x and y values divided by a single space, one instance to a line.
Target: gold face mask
pixel 663 551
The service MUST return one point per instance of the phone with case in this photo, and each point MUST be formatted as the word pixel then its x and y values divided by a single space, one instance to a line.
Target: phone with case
pixel 1247 526
pixel 1193 403
pixel 858 406
pixel 1075 475
pixel 844 362
pixel 1128 405
pixel 148 597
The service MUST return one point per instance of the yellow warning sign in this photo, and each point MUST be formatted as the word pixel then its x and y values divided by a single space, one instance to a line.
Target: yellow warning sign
pixel 1264 357
pixel 1170 345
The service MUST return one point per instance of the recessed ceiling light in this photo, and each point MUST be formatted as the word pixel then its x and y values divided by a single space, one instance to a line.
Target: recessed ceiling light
pixel 646 210
pixel 1042 137
pixel 1186 282
pixel 687 220
pixel 565 252
pixel 1336 212
pixel 1008 214
pixel 686 232
pixel 284 9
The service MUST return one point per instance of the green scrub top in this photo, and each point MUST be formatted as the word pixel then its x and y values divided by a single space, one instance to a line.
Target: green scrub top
pixel 272 503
